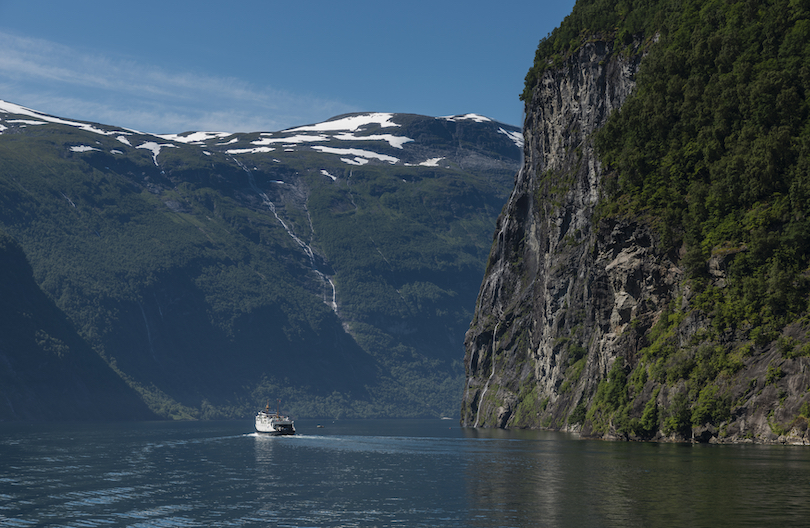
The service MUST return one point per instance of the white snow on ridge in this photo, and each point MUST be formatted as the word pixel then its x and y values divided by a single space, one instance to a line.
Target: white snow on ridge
pixel 25 122
pixel 300 138
pixel 351 123
pixel 394 141
pixel 194 137
pixel 257 150
pixel 11 108
pixel 517 137
pixel 433 162
pixel 355 161
pixel 155 148
pixel 358 153
pixel 473 117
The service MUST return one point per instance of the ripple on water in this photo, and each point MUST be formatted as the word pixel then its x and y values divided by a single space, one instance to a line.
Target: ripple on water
pixel 204 474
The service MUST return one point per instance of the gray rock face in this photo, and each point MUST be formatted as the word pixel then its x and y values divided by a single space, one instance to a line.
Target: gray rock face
pixel 554 282
pixel 569 293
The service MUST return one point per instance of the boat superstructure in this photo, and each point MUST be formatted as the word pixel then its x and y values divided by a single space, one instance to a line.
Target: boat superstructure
pixel 274 423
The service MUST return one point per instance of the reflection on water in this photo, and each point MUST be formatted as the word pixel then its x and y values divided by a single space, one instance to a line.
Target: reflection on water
pixel 522 478
pixel 550 480
pixel 385 473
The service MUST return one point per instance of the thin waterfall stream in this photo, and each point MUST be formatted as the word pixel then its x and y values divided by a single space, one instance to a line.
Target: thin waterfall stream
pixel 486 386
pixel 303 245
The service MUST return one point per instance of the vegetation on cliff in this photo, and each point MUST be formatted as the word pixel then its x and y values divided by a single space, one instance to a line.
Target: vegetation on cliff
pixel 616 21
pixel 712 151
pixel 715 148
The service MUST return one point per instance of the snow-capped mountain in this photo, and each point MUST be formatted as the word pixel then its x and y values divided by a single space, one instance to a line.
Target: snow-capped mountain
pixel 384 133
pixel 334 264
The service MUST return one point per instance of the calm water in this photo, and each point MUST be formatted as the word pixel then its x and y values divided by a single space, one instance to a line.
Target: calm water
pixel 385 473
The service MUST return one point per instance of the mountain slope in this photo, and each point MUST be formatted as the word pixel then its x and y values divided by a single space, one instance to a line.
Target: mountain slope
pixel 649 276
pixel 47 370
pixel 332 265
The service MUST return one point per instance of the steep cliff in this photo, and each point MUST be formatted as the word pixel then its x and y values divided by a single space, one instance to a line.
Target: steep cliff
pixel 559 289
pixel 592 317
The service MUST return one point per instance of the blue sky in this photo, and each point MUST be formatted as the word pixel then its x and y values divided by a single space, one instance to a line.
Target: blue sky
pixel 172 66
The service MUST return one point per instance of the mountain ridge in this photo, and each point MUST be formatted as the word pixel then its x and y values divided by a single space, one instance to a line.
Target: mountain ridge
pixel 214 270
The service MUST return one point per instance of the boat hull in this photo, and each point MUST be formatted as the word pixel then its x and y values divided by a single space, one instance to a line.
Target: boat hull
pixel 275 432
pixel 272 425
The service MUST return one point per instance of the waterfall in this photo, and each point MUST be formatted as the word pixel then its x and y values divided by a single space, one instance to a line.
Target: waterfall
pixel 303 245
pixel 486 386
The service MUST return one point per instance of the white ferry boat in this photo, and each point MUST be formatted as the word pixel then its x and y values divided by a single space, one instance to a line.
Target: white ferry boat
pixel 274 423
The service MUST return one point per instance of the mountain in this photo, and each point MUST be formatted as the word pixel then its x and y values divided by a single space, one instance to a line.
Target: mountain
pixel 333 265
pixel 649 276
pixel 47 370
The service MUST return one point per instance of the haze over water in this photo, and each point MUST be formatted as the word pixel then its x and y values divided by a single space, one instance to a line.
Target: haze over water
pixel 385 473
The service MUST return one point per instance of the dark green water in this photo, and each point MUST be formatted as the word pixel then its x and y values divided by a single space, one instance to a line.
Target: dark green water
pixel 385 473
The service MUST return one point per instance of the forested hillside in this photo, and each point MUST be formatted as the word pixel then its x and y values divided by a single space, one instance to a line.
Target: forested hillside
pixel 332 266
pixel 47 372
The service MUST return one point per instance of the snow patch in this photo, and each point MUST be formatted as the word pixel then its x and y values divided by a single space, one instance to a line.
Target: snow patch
pixel 351 123
pixel 124 140
pixel 194 137
pixel 116 151
pixel 26 122
pixel 432 162
pixel 11 108
pixel 355 161
pixel 472 117
pixel 291 141
pixel 326 173
pixel 257 150
pixel 517 137
pixel 155 148
pixel 82 148
pixel 358 153
pixel 394 141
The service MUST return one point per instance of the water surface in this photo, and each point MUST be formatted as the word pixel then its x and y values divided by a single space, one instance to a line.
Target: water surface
pixel 385 473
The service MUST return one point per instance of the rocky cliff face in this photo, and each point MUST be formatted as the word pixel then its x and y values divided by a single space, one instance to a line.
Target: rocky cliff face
pixel 556 288
pixel 571 299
